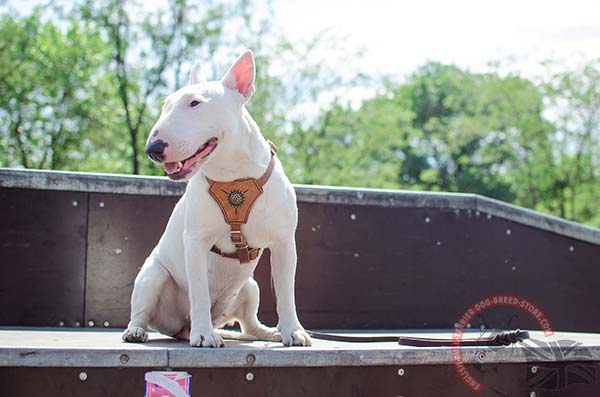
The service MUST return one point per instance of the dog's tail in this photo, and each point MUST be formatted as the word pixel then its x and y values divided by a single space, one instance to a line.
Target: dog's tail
pixel 234 335
pixel 261 332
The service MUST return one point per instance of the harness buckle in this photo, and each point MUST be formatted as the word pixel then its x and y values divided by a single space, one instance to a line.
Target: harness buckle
pixel 238 239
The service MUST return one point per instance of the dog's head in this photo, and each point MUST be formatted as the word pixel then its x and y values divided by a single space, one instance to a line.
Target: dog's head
pixel 197 119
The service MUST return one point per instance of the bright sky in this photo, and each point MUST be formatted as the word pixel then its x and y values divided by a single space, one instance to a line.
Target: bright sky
pixel 398 36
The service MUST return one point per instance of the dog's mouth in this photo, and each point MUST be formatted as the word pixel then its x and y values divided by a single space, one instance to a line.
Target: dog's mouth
pixel 177 170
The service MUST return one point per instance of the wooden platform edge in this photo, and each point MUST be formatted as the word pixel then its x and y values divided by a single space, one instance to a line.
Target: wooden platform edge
pixel 151 185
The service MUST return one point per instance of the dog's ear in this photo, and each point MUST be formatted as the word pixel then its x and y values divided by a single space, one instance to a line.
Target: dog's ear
pixel 240 76
pixel 196 75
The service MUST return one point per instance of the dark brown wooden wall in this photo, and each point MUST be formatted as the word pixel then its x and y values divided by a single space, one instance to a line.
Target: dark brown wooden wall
pixel 70 258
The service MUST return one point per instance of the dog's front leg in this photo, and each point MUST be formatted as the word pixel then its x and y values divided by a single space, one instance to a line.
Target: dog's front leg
pixel 146 292
pixel 283 267
pixel 202 333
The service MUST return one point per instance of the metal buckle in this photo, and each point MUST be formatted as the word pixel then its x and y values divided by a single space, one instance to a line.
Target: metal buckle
pixel 243 244
pixel 240 246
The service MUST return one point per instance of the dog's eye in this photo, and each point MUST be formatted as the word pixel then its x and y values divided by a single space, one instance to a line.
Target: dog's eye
pixel 195 103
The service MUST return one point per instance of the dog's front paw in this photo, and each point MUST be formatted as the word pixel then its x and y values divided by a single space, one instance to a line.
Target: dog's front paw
pixel 135 334
pixel 206 339
pixel 296 337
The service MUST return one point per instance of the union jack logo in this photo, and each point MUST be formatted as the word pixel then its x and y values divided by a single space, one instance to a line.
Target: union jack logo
pixel 557 364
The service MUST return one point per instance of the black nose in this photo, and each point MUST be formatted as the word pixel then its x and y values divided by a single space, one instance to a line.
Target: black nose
pixel 155 150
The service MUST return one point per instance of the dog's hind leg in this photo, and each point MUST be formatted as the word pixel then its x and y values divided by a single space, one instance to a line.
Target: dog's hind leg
pixel 146 290
pixel 171 315
pixel 246 312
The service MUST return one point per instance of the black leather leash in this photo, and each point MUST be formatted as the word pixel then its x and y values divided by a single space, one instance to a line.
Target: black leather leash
pixel 500 339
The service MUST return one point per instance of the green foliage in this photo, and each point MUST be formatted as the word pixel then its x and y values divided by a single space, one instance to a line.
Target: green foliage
pixel 448 129
pixel 572 162
pixel 145 47
pixel 52 91
pixel 80 91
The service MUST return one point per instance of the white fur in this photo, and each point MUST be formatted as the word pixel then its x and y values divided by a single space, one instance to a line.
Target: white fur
pixel 182 286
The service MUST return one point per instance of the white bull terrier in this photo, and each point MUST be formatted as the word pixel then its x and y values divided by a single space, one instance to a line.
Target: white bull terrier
pixel 205 134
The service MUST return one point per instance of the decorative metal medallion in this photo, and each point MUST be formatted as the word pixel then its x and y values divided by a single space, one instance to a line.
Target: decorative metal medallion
pixel 236 198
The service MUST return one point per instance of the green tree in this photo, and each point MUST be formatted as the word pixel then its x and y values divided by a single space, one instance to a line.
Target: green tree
pixel 146 45
pixel 470 126
pixel 573 156
pixel 51 89
pixel 363 147
pixel 442 129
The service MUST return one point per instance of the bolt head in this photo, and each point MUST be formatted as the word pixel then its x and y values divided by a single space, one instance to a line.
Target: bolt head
pixel 82 376
pixel 401 371
pixel 249 376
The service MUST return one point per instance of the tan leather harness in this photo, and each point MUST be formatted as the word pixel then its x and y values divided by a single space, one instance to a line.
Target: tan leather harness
pixel 235 199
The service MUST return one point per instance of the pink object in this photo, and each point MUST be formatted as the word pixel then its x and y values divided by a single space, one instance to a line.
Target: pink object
pixel 167 384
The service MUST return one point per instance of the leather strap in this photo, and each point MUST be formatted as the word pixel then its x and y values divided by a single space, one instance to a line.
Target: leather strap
pixel 235 200
pixel 501 339
pixel 253 253
pixel 265 177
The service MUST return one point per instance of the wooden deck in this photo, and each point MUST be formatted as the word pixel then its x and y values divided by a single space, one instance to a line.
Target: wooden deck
pixel 60 347
pixel 82 362
pixel 367 260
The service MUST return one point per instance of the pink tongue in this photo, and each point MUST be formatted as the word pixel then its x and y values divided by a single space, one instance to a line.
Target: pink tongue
pixel 171 167
pixel 209 146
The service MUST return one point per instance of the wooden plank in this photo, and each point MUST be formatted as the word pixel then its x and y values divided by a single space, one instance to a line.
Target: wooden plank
pixel 374 267
pixel 123 231
pixel 411 261
pixel 42 246
pixel 104 348
pixel 289 382
pixel 426 380
pixel 156 186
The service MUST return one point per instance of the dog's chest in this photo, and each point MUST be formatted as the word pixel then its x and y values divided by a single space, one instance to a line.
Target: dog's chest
pixel 271 216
